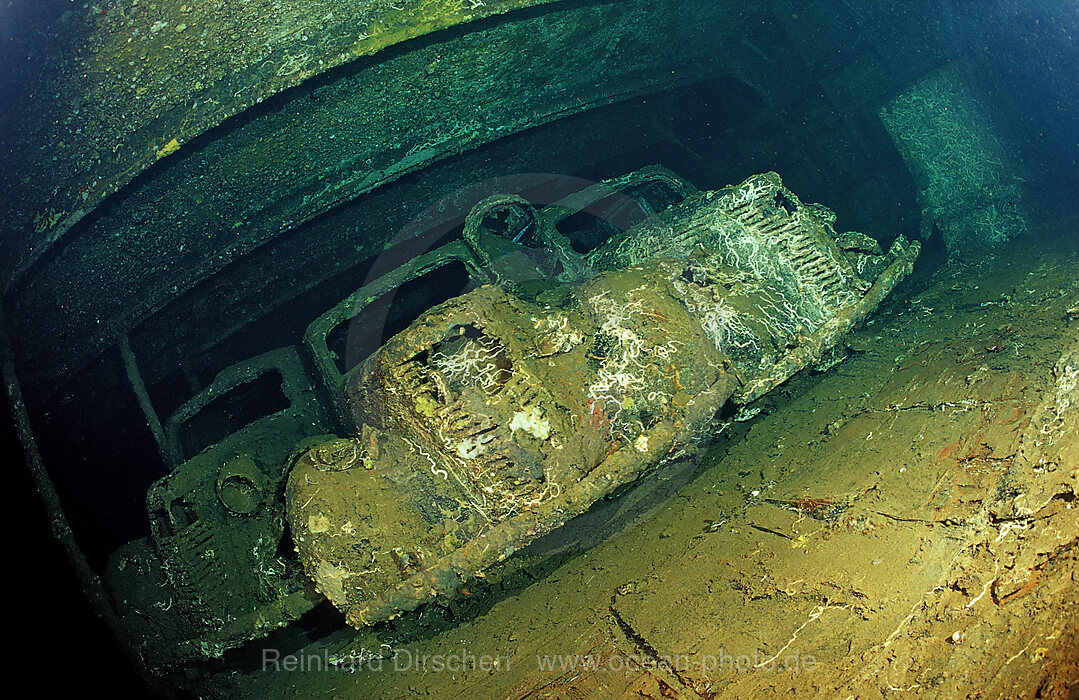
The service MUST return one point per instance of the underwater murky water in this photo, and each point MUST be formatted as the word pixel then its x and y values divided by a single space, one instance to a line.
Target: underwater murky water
pixel 515 348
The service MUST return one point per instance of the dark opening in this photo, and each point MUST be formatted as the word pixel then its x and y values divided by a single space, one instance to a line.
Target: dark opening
pixel 784 202
pixel 171 392
pixel 591 227
pixel 353 341
pixel 160 523
pixel 183 513
pixel 514 223
pixel 101 455
pixel 657 195
pixel 232 412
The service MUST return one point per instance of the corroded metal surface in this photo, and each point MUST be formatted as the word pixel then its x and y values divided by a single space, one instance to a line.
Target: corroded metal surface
pixel 137 80
pixel 495 416
pixel 217 519
pixel 494 419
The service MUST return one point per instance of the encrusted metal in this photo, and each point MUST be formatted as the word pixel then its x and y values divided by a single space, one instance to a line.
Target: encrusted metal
pixel 495 418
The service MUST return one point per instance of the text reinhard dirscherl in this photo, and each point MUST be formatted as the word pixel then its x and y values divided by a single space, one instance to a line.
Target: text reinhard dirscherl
pixel 463 661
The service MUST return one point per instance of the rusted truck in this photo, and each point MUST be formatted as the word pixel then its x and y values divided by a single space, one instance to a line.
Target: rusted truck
pixel 572 356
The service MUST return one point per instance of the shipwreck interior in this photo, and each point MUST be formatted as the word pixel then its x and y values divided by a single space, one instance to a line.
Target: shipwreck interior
pixel 212 232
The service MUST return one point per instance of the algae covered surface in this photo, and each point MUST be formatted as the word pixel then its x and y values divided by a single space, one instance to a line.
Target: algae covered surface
pixel 134 80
